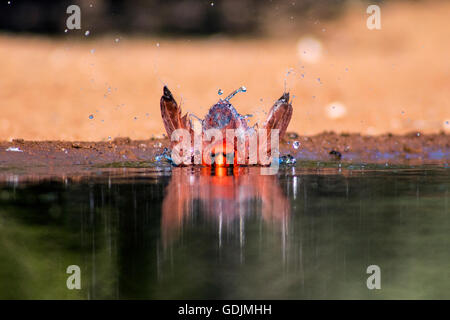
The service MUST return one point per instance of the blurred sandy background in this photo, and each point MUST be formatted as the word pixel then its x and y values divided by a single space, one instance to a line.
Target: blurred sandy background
pixel 343 76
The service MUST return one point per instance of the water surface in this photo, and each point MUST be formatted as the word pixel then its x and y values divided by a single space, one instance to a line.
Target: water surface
pixel 156 233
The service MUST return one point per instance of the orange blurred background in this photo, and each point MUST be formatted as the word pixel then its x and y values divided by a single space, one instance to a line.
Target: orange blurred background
pixel 342 77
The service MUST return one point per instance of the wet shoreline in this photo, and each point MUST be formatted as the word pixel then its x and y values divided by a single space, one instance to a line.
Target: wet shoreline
pixel 74 158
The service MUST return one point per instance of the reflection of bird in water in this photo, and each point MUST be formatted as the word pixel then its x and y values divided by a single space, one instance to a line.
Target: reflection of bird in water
pixel 224 195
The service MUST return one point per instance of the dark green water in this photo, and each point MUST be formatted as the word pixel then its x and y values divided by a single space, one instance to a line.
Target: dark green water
pixel 144 233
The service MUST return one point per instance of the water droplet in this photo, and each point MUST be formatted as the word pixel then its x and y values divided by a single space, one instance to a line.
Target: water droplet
pixel 241 89
pixel 87 33
pixel 418 134
pixel 220 92
pixel 296 144
pixel 166 154
pixel 66 31
pixel 212 4
pixel 91 116
pixel 287 160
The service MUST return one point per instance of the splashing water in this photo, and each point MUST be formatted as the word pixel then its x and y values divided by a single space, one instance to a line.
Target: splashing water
pixel 165 155
pixel 288 73
pixel 241 89
pixel 287 160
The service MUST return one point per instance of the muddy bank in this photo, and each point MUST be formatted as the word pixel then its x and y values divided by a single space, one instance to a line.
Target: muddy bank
pixel 76 158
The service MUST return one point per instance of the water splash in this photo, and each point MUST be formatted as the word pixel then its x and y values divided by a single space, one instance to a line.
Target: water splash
pixel 241 89
pixel 287 160
pixel 286 78
pixel 164 156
